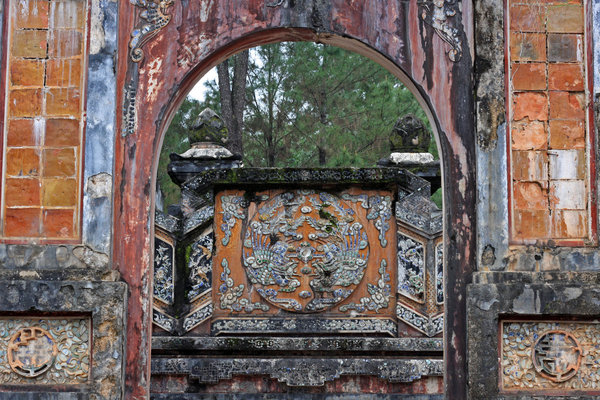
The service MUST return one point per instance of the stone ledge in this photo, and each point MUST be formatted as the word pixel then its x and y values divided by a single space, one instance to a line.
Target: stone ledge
pixel 337 345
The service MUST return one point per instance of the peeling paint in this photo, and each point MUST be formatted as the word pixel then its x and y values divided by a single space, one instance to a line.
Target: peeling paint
pixel 205 9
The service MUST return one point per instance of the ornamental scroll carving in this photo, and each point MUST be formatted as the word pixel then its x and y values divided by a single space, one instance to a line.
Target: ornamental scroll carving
pixel 156 17
pixel 44 351
pixel 321 253
pixel 439 15
pixel 305 251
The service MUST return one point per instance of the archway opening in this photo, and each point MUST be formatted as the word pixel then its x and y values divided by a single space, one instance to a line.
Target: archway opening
pixel 419 259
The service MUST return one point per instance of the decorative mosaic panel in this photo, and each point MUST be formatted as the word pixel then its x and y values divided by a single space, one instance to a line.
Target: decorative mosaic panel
pixel 420 280
pixel 411 268
pixel 439 273
pixel 37 351
pixel 200 267
pixel 549 356
pixel 303 251
pixel 164 265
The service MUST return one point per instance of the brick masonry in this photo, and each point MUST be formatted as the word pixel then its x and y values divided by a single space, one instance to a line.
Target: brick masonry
pixel 548 125
pixel 44 119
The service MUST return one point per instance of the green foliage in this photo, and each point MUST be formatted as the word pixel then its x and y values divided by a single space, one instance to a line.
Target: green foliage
pixel 176 141
pixel 436 197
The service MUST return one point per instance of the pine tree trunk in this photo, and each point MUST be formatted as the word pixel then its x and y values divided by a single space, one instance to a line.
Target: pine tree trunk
pixel 233 98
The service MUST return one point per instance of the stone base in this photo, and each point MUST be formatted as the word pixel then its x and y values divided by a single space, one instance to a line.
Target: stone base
pixel 87 312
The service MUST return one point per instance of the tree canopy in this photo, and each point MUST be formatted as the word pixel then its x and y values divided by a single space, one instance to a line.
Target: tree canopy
pixel 306 104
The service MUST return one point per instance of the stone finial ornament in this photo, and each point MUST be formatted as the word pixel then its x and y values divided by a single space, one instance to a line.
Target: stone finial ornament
pixel 409 135
pixel 207 137
pixel 208 128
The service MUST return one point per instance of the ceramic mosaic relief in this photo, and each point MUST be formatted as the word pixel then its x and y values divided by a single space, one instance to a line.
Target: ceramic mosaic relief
pixel 306 252
pixel 44 351
pixel 550 356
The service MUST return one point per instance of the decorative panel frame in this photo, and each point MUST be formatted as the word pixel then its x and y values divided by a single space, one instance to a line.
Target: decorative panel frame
pixel 43 120
pixel 542 298
pixel 551 150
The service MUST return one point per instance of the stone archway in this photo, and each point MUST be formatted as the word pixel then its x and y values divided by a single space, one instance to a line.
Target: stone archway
pixel 425 44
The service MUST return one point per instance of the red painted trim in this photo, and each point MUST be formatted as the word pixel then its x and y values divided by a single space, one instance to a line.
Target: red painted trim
pixel 3 99
pixel 591 131
pixel 508 108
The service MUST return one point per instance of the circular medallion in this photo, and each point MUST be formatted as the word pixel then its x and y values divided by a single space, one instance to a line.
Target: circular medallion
pixel 31 351
pixel 557 355
pixel 305 251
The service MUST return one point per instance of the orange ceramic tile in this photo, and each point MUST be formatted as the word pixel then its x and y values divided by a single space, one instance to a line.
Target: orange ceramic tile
pixel 25 102
pixel 566 77
pixel 22 162
pixel 532 105
pixel 529 135
pixel 22 222
pixel 64 43
pixel 565 18
pixel 566 134
pixel 20 192
pixel 22 132
pixel 567 105
pixel 62 132
pixel 26 72
pixel 63 72
pixel 565 47
pixel 530 196
pixel 528 17
pixel 59 162
pixel 58 223
pixel 532 224
pixel 569 224
pixel 529 76
pixel 63 102
pixel 567 164
pixel 31 14
pixel 530 165
pixel 30 44
pixel 568 195
pixel 67 14
pixel 527 46
pixel 59 192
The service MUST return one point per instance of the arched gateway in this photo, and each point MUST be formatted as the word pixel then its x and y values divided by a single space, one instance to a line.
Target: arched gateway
pixel 164 47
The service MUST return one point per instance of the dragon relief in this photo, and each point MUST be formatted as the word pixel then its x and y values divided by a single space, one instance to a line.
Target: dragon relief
pixel 156 17
pixel 305 251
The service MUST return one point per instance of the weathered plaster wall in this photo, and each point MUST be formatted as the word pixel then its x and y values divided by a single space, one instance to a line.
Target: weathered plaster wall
pixel 100 130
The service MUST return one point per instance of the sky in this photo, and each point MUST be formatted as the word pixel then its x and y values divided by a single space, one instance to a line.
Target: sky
pixel 199 89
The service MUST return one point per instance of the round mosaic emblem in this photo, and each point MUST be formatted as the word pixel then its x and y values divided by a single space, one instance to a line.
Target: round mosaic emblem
pixel 305 251
pixel 557 355
pixel 31 351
